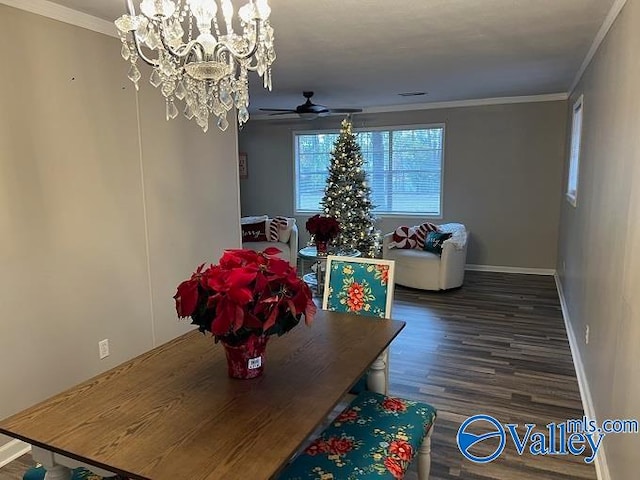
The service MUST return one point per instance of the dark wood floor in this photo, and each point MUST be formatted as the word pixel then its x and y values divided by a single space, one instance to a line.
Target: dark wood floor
pixel 495 346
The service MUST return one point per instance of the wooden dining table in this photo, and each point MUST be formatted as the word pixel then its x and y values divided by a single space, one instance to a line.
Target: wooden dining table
pixel 173 413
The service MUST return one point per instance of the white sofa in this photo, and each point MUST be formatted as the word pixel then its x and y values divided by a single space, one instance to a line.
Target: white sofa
pixel 427 271
pixel 289 249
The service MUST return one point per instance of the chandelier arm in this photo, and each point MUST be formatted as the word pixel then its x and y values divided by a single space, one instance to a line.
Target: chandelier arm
pixel 136 43
pixel 252 67
pixel 184 50
pixel 222 46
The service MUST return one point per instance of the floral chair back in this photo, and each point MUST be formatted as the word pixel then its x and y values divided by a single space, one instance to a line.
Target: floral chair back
pixel 363 286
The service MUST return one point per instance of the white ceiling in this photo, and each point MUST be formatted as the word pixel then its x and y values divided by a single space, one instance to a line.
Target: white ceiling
pixel 363 53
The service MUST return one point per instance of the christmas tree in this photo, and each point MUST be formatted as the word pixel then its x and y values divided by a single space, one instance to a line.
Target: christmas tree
pixel 347 196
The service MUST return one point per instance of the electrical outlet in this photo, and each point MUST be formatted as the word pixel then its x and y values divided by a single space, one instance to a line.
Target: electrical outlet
pixel 586 335
pixel 103 348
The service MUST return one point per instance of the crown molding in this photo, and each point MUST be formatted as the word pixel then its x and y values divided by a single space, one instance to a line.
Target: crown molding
pixel 476 102
pixel 553 97
pixel 64 14
pixel 609 20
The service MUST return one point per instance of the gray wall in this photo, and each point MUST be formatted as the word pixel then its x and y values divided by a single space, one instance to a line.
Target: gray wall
pixel 502 175
pixel 599 248
pixel 75 218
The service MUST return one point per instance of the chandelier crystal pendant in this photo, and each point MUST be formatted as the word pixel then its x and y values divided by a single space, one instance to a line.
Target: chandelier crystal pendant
pixel 208 71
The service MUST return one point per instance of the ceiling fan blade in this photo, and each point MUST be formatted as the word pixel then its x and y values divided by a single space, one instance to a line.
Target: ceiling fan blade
pixel 345 110
pixel 287 110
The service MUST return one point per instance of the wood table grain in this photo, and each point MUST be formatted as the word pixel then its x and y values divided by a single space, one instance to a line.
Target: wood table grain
pixel 172 413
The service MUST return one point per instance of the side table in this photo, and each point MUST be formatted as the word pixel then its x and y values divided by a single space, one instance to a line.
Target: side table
pixel 316 280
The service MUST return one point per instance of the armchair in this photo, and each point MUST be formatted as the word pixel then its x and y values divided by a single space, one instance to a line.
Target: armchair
pixel 427 271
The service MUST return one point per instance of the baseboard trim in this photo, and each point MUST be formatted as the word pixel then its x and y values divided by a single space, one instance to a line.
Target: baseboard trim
pixel 602 468
pixel 12 450
pixel 504 269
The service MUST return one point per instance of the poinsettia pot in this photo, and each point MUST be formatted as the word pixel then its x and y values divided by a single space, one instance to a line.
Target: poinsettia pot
pixel 246 360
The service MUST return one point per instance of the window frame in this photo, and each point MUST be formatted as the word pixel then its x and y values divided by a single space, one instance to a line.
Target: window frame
pixel 575 151
pixel 425 126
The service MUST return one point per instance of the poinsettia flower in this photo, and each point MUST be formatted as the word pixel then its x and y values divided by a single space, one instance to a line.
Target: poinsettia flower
pixel 323 228
pixel 246 295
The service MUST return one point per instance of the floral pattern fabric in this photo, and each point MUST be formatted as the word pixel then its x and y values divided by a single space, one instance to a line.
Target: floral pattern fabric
pixel 38 473
pixel 375 437
pixel 360 288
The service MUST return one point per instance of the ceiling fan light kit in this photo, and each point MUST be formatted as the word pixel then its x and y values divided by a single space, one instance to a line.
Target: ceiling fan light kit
pixel 309 110
pixel 196 58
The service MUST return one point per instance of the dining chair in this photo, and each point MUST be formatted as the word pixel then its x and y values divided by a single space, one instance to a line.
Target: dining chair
pixel 363 286
pixel 375 436
pixel 39 473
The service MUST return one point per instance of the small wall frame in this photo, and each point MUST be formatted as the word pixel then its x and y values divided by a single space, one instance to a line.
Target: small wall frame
pixel 243 166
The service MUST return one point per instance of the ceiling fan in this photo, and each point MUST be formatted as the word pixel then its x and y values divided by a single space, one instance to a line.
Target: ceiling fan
pixel 309 110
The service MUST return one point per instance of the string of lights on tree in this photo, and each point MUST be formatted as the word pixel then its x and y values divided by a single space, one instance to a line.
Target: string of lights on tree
pixel 347 196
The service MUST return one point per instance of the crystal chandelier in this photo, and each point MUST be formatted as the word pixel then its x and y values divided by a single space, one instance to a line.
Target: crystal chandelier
pixel 208 71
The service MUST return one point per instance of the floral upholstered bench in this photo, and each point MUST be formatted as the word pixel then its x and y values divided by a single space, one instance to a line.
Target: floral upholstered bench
pixel 375 437
pixel 38 473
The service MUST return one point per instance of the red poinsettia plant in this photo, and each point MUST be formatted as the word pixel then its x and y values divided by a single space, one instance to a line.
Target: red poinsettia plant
pixel 247 294
pixel 323 228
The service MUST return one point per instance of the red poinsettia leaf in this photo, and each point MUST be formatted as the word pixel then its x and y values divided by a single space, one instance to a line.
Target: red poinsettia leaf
pixel 292 307
pixel 241 277
pixel 238 320
pixel 186 298
pixel 310 312
pixel 271 299
pixel 223 321
pixel 240 295
pixel 217 281
pixel 212 301
pixel 261 283
pixel 230 259
pixel 198 272
pixel 272 251
pixel 279 267
pixel 238 257
pixel 251 321
pixel 271 319
pixel 300 300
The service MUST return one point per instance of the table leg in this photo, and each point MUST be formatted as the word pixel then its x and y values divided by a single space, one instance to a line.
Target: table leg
pixel 319 277
pixel 57 472
pixel 59 467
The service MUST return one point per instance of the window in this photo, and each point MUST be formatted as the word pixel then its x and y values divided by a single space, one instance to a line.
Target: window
pixel 404 169
pixel 574 158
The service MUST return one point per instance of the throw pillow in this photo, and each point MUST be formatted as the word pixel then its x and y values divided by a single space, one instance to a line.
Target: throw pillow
pixel 434 241
pixel 280 229
pixel 404 237
pixel 255 232
pixel 422 231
